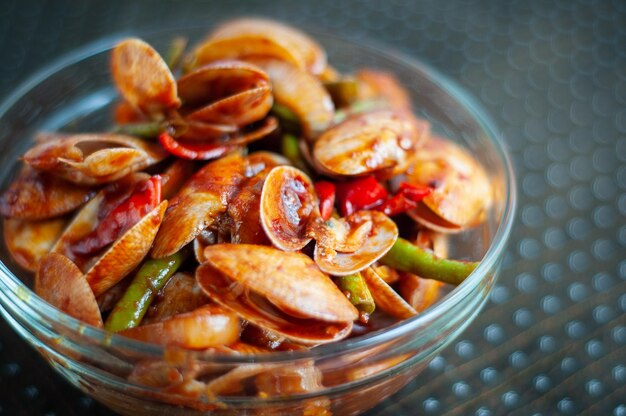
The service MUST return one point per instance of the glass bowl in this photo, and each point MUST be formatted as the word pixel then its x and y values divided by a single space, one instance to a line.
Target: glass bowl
pixel 76 94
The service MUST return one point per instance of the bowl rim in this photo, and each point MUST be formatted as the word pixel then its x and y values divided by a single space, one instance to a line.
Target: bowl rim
pixel 33 305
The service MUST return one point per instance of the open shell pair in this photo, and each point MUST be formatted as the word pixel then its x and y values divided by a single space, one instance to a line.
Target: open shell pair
pixel 291 219
pixel 212 104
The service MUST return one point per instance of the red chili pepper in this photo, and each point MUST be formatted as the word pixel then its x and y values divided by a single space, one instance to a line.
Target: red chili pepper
pixel 358 194
pixel 326 193
pixel 192 151
pixel 406 199
pixel 414 193
pixel 144 198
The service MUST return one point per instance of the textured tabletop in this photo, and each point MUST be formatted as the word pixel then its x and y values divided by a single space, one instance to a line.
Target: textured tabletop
pixel 552 338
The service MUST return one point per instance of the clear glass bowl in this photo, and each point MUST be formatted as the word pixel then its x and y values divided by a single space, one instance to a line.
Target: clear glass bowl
pixel 75 94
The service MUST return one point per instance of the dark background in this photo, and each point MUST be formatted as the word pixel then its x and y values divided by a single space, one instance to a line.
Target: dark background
pixel 552 338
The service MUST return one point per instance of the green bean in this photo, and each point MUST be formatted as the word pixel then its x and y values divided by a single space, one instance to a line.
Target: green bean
pixel 357 292
pixel 147 130
pixel 424 263
pixel 151 277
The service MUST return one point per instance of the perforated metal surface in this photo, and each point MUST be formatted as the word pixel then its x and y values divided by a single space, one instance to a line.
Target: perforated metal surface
pixel 552 339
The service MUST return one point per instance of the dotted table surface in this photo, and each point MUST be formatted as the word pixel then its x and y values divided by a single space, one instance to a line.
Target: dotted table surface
pixel 552 338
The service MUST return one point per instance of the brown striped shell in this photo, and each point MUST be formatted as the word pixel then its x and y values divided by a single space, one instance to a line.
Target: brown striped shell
pixel 283 292
pixel 374 142
pixel 230 93
pixel 61 283
pixel 455 176
pixel 30 241
pixel 301 92
pixel 92 158
pixel 255 37
pixel 143 78
pixel 35 195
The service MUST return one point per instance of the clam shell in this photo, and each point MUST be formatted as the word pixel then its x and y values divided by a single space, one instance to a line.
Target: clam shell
pixel 35 195
pixel 198 204
pixel 455 176
pixel 381 238
pixel 143 78
pixel 375 84
pixel 254 37
pixel 208 326
pixel 126 253
pixel 366 143
pixel 421 293
pixel 229 92
pixel 237 110
pixel 61 283
pixel 244 209
pixel 181 294
pixel 387 299
pixel 283 292
pixel 301 92
pixel 29 241
pixel 93 158
pixel 288 203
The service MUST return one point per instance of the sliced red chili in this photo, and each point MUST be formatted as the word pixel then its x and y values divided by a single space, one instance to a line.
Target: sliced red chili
pixel 358 194
pixel 414 193
pixel 405 199
pixel 192 151
pixel 128 212
pixel 326 193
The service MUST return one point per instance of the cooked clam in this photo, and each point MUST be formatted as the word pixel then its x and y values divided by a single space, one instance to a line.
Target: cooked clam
pixel 284 292
pixel 455 176
pixel 301 92
pixel 198 204
pixel 385 297
pixel 30 241
pixel 254 37
pixel 382 234
pixel 181 294
pixel 34 195
pixel 208 326
pixel 288 203
pixel 374 142
pixel 61 283
pixel 92 158
pixel 143 78
pixel 226 93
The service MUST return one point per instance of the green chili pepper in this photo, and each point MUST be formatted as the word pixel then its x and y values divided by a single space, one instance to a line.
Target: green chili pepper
pixel 175 52
pixel 289 121
pixel 151 277
pixel 147 130
pixel 290 148
pixel 413 259
pixel 357 292
pixel 358 107
pixel 344 92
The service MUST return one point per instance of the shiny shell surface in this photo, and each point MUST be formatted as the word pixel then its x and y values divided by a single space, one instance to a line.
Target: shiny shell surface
pixel 455 176
pixel 381 237
pixel 92 158
pixel 288 203
pixel 143 78
pixel 367 143
pixel 61 283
